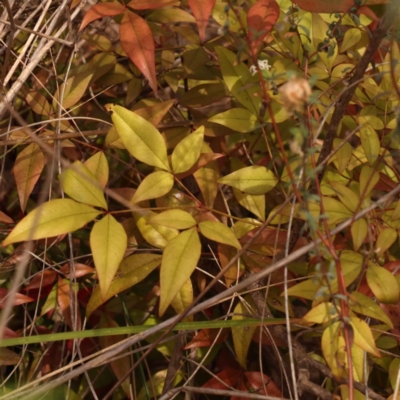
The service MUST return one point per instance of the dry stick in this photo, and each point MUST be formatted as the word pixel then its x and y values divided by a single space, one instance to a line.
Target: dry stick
pixel 257 277
pixel 384 25
pixel 19 27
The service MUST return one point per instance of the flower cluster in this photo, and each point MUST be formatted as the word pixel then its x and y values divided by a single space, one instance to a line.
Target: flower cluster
pixel 262 64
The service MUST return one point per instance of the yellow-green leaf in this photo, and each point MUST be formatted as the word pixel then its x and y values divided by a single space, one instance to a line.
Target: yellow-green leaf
pixel 153 186
pixel 330 346
pixel 156 235
pixel 363 336
pixel 236 76
pixel 28 166
pixel 187 151
pixel 385 239
pixel 305 289
pixel 53 218
pixel 394 368
pixel 366 306
pixel 98 166
pixel 140 137
pixel 335 210
pixel 242 335
pixel 207 179
pixel 359 230
pixel 370 142
pixel 368 179
pixel 346 195
pixel 131 271
pixel 219 232
pixel 343 154
pixel 238 119
pixel 108 242
pixel 351 37
pixel 179 261
pixel 80 184
pixel 177 219
pixel 321 314
pixel 382 283
pixel 183 299
pixel 396 211
pixel 154 386
pixel 253 180
pixel 252 202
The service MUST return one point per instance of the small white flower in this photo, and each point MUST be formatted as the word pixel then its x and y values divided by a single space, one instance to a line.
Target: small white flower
pixel 262 64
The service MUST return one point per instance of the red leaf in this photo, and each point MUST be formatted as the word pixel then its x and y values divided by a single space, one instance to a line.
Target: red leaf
pixel 101 10
pixel 18 298
pixel 229 376
pixel 201 10
pixel 44 278
pixel 151 4
pixel 261 18
pixel 206 338
pixel 137 42
pixel 262 384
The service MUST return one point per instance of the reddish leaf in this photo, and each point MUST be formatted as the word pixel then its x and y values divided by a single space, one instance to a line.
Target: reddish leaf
pixel 17 255
pixel 329 6
pixel 4 218
pixel 9 333
pixel 261 18
pixel 207 337
pixel 151 4
pixel 229 376
pixel 101 10
pixel 44 278
pixel 201 10
pixel 80 270
pixel 67 302
pixel 262 384
pixel 137 42
pixel 18 298
pixel 266 339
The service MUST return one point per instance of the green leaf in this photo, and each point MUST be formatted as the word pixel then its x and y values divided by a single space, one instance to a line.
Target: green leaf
pixel 359 231
pixel 131 271
pixel 368 179
pixel 80 184
pixel 363 336
pixel 108 242
pixel 236 76
pixel 335 210
pixel 385 239
pixel 187 151
pixel 394 371
pixel 252 180
pixel 153 186
pixel 238 119
pixel 343 154
pixel 321 313
pixel 140 137
pixel 382 283
pixel 366 306
pixel 351 37
pixel 178 263
pixel 156 235
pixel 98 166
pixel 242 335
pixel 176 219
pixel 219 232
pixel 370 142
pixel 53 218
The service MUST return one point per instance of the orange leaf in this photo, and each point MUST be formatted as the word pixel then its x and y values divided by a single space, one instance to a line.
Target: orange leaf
pixel 151 4
pixel 5 219
pixel 101 10
pixel 137 42
pixel 207 338
pixel 66 299
pixel 262 384
pixel 18 298
pixel 201 10
pixel 27 169
pixel 229 377
pixel 261 18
